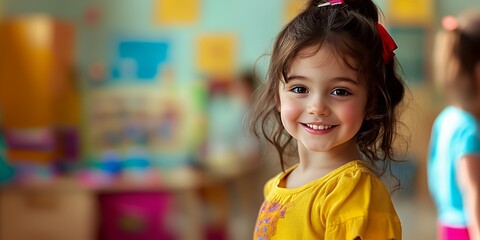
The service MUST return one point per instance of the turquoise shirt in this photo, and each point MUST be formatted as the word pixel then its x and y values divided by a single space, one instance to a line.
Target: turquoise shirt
pixel 455 133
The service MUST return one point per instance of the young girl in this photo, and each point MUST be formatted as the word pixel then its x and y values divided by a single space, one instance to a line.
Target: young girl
pixel 332 93
pixel 454 157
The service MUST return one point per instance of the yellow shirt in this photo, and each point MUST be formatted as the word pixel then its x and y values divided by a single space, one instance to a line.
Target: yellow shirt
pixel 349 202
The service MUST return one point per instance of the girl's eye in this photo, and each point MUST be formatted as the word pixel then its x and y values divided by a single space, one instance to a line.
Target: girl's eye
pixel 340 92
pixel 299 90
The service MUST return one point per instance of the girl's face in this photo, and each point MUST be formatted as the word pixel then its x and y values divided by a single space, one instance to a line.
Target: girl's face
pixel 323 103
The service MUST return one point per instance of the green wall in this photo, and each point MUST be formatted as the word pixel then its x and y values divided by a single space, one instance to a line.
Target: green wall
pixel 255 23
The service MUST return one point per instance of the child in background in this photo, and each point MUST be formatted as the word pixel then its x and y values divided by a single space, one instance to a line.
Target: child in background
pixel 454 155
pixel 333 96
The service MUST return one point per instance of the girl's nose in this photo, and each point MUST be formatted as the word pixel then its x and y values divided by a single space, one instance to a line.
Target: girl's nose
pixel 318 106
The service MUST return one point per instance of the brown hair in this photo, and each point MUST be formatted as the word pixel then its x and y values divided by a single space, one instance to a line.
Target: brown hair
pixel 350 30
pixel 457 52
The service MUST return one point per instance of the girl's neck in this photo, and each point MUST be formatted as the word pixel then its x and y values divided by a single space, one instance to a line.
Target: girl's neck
pixel 330 159
pixel 315 165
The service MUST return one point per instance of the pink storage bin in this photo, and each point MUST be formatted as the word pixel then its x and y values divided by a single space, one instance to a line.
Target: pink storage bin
pixel 135 215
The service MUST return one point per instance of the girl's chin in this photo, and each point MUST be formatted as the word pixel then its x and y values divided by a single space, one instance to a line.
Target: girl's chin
pixel 316 148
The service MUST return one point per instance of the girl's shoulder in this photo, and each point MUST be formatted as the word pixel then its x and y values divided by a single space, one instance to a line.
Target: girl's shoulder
pixel 355 178
pixel 351 170
pixel 355 190
pixel 275 181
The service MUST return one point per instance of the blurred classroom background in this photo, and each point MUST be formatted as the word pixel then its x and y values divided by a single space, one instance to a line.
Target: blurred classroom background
pixel 122 119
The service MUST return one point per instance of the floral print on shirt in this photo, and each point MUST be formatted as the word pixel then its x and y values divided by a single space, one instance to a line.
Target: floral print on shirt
pixel 270 214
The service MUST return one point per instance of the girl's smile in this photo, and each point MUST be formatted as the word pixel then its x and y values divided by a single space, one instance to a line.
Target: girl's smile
pixel 314 128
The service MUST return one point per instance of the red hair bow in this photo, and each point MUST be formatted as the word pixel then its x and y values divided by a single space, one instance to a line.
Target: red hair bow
pixel 388 44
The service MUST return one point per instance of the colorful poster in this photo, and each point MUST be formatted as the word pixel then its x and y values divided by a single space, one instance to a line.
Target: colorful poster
pixel 154 123
pixel 410 12
pixel 216 54
pixel 176 12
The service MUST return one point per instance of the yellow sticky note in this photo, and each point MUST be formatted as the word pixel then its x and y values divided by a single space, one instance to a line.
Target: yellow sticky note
pixel 292 8
pixel 216 54
pixel 175 12
pixel 410 12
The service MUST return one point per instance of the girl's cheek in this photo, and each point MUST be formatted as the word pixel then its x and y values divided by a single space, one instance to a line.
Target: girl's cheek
pixel 354 112
pixel 290 109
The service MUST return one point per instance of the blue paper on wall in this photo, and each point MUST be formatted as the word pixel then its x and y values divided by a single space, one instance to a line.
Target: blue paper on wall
pixel 139 60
